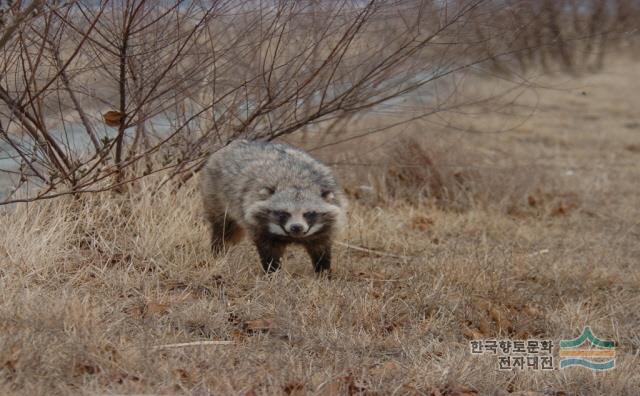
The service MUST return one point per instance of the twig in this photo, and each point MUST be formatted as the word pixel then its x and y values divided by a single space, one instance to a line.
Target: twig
pixel 539 253
pixel 376 252
pixel 195 343
pixel 19 19
pixel 390 280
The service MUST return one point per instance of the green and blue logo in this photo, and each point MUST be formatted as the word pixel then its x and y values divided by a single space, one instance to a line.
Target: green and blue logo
pixel 588 351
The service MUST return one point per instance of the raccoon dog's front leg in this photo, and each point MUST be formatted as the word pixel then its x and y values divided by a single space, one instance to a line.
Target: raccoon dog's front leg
pixel 320 253
pixel 223 231
pixel 270 252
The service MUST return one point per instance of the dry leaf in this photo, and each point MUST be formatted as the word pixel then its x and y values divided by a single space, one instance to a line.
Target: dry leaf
pixel 400 321
pixel 460 390
pixel 435 392
pixel 484 327
pixel 500 320
pixel 158 309
pixel 472 334
pixel 259 325
pixel 385 368
pixel 135 309
pixel 634 148
pixel 182 375
pixel 372 275
pixel 238 336
pixel 481 305
pixel 175 285
pixel 332 388
pixel 112 118
pixel 294 388
pixel 421 222
pixel 85 369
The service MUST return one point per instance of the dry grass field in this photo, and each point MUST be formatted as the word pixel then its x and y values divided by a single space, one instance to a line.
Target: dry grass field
pixel 535 234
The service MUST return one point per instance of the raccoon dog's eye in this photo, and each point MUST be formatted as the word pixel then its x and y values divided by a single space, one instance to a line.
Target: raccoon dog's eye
pixel 266 191
pixel 281 215
pixel 328 195
pixel 310 216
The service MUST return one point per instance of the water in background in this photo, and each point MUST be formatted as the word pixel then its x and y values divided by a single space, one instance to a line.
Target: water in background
pixel 72 137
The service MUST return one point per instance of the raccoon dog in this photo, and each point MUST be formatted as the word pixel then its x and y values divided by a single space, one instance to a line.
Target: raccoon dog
pixel 276 193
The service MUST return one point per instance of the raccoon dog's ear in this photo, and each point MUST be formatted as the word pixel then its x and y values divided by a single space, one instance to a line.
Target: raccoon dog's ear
pixel 328 195
pixel 266 192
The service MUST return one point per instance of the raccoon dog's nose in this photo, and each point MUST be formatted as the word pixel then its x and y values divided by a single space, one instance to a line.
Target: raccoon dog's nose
pixel 296 229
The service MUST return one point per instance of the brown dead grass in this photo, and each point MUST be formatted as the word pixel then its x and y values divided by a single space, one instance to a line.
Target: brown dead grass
pixel 452 178
pixel 93 291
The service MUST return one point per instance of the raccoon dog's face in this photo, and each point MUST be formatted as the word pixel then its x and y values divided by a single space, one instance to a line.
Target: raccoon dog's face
pixel 294 213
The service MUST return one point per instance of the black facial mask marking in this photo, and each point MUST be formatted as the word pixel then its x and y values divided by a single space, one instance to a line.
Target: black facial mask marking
pixel 281 217
pixel 311 218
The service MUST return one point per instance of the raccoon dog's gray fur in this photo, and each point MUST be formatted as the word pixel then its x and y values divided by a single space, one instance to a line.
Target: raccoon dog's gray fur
pixel 276 193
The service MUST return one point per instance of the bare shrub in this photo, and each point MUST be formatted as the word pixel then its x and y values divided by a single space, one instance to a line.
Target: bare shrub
pixel 455 178
pixel 177 80
pixel 94 96
pixel 572 35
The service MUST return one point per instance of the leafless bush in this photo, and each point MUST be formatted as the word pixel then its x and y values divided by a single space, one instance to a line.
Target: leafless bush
pixel 453 177
pixel 94 96
pixel 575 34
